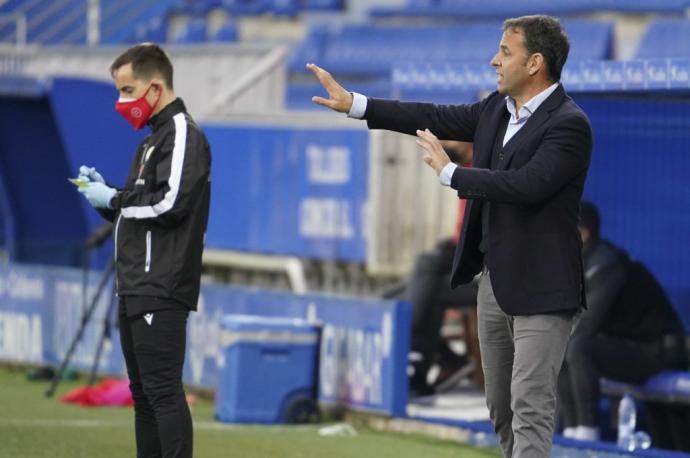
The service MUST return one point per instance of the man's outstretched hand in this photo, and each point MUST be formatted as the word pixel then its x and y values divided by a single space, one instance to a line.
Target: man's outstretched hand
pixel 338 98
pixel 435 155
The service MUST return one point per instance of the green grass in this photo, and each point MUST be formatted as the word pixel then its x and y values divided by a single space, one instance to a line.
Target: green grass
pixel 32 426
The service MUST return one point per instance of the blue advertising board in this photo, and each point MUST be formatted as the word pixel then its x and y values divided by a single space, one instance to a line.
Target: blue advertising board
pixel 364 343
pixel 577 76
pixel 314 179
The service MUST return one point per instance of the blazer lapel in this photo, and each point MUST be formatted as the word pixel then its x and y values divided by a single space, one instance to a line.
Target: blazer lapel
pixel 534 121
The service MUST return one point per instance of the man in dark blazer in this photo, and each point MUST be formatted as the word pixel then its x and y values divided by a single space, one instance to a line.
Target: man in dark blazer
pixel 532 147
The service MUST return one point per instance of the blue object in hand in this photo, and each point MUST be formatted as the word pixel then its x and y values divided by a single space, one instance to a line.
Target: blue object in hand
pixel 90 174
pixel 98 194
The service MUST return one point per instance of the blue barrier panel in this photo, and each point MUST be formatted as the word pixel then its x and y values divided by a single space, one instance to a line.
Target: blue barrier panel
pixel 614 75
pixel 363 357
pixel 40 312
pixel 638 180
pixel 7 232
pixel 289 190
pixel 48 225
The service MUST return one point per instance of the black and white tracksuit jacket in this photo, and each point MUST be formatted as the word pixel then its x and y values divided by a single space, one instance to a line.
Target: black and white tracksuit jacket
pixel 161 214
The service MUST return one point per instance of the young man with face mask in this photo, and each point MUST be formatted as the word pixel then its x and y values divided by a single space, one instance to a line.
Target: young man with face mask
pixel 160 218
pixel 532 147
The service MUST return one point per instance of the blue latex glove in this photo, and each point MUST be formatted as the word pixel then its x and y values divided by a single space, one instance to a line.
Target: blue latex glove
pixel 98 194
pixel 90 174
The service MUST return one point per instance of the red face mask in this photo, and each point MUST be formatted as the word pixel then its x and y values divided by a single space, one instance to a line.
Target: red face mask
pixel 137 112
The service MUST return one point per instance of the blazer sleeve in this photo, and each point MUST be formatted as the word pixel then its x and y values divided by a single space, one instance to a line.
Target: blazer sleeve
pixel 447 122
pixel 181 174
pixel 563 154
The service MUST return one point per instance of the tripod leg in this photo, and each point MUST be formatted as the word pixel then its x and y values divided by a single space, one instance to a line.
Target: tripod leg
pixel 80 332
pixel 105 335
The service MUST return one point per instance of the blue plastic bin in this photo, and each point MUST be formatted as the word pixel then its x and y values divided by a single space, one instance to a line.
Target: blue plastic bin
pixel 269 372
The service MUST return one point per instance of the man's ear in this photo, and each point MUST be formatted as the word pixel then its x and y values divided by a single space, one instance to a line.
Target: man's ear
pixel 535 63
pixel 158 85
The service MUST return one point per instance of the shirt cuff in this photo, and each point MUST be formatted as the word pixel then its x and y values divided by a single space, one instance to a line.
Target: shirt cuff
pixel 447 173
pixel 359 106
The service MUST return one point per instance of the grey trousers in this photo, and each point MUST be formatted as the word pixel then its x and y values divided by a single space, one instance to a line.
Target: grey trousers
pixel 521 359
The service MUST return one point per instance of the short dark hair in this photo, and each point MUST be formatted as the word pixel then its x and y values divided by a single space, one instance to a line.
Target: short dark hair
pixel 148 61
pixel 544 35
pixel 589 218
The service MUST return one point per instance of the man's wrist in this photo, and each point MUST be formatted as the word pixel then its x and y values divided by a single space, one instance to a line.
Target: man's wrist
pixel 359 106
pixel 446 174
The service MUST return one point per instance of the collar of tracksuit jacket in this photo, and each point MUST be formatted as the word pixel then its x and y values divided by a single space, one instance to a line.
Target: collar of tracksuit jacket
pixel 160 119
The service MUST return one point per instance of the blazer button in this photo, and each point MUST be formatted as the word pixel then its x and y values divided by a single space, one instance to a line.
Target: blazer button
pixel 500 156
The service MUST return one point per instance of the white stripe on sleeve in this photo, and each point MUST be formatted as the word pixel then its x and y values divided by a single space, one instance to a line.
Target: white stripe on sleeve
pixel 178 153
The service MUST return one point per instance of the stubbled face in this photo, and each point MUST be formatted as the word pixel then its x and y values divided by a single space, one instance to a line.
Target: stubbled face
pixel 510 63
pixel 130 87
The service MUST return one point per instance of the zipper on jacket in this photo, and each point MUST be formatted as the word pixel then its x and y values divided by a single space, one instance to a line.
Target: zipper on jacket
pixel 147 266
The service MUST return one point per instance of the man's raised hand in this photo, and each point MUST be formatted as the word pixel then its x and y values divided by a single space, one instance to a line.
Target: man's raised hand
pixel 338 98
pixel 435 155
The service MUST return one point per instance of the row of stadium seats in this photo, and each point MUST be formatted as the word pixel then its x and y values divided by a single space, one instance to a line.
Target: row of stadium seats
pixel 51 22
pixel 193 31
pixel 64 22
pixel 366 54
pixel 582 76
pixel 511 8
pixel 370 53
pixel 256 7
pixel 44 24
pixel 371 50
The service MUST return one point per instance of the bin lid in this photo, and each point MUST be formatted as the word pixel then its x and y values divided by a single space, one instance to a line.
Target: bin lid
pixel 262 330
pixel 263 323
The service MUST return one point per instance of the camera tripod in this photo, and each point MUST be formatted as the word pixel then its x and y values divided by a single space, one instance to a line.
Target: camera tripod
pixel 86 317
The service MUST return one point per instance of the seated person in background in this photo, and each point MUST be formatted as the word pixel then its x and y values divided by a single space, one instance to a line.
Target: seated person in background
pixel 619 336
pixel 428 289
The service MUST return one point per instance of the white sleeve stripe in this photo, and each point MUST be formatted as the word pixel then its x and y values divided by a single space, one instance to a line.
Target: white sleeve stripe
pixel 168 201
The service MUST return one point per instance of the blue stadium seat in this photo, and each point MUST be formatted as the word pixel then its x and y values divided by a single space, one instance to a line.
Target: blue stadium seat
pixel 284 7
pixel 669 385
pixel 371 50
pixel 365 50
pixel 665 38
pixel 311 49
pixel 193 31
pixel 323 5
pixel 509 8
pixel 640 6
pixel 154 30
pixel 246 7
pixel 280 7
pixel 589 39
pixel 227 33
pixel 194 7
